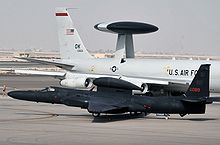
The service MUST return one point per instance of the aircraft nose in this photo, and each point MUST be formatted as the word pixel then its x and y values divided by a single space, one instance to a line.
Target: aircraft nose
pixel 22 95
pixel 15 94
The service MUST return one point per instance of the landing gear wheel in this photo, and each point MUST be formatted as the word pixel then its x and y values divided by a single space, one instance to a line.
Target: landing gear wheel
pixel 95 114
pixel 166 116
pixel 133 113
pixel 182 115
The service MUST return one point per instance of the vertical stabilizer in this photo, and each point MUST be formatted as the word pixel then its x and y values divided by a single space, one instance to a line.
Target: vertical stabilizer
pixel 200 84
pixel 71 46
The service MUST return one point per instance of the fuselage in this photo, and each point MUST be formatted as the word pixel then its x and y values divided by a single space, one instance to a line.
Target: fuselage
pixel 82 98
pixel 157 69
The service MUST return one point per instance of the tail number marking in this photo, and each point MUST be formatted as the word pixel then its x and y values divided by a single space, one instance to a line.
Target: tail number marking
pixel 197 90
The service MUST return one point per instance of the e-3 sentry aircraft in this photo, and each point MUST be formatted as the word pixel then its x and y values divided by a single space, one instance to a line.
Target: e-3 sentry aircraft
pixel 157 76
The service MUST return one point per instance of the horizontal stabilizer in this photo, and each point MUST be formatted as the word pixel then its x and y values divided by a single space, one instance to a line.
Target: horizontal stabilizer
pixel 206 100
pixel 200 100
pixel 214 99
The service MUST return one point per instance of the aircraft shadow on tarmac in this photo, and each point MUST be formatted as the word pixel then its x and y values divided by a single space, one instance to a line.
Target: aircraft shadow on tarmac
pixel 198 119
pixel 118 117
pixel 102 119
pixel 185 119
pixel 56 114
pixel 121 117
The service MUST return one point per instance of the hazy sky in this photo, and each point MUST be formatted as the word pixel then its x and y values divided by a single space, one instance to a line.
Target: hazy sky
pixel 185 26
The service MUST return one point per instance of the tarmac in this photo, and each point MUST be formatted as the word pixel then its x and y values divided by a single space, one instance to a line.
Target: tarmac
pixel 30 123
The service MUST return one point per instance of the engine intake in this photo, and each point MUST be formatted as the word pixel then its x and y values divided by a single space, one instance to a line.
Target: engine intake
pixel 80 82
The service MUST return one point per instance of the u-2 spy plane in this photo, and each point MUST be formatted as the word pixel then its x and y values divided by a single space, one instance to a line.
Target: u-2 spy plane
pixel 115 96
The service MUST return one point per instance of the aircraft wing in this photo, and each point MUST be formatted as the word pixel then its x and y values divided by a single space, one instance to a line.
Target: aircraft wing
pixel 170 86
pixel 40 73
pixel 100 104
pixel 56 63
pixel 127 84
pixel 155 84
pixel 99 107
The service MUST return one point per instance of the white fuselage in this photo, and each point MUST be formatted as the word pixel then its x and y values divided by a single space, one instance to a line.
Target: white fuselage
pixel 157 69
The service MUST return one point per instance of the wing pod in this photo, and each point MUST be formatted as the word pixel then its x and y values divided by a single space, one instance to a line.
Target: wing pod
pixel 115 83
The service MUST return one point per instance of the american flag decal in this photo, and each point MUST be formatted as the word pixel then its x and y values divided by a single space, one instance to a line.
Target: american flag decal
pixel 69 31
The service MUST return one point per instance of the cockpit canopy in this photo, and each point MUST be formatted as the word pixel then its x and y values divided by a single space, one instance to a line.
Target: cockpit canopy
pixel 48 89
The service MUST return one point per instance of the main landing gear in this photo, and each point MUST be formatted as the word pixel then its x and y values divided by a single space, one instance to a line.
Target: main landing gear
pixel 165 115
pixel 183 114
pixel 95 114
pixel 138 113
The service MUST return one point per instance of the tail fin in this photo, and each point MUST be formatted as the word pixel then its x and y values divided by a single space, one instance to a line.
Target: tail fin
pixel 200 84
pixel 71 46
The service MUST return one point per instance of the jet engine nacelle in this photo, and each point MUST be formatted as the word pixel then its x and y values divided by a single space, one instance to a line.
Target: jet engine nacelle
pixel 139 83
pixel 144 89
pixel 79 82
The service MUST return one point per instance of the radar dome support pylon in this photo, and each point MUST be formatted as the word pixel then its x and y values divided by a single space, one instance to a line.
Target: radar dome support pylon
pixel 125 42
